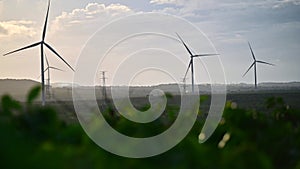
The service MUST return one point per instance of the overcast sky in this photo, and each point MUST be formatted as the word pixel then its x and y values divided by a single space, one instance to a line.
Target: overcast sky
pixel 271 26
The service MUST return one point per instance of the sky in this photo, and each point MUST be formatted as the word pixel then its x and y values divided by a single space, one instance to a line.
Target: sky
pixel 271 26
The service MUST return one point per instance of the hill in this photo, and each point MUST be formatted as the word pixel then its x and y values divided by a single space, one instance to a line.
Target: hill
pixel 16 88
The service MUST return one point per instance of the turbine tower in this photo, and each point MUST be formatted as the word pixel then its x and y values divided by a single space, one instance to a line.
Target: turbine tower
pixel 255 65
pixel 42 43
pixel 48 84
pixel 191 64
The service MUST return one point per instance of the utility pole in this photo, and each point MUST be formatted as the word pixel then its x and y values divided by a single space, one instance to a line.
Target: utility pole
pixel 103 78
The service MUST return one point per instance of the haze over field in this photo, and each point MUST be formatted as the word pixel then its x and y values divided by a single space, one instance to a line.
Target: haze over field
pixel 63 91
pixel 271 26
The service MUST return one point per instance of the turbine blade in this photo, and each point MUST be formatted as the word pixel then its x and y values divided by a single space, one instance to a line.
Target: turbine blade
pixel 205 55
pixel 251 51
pixel 187 69
pixel 51 67
pixel 185 45
pixel 26 47
pixel 47 61
pixel 265 63
pixel 49 47
pixel 46 69
pixel 46 22
pixel 44 72
pixel 249 69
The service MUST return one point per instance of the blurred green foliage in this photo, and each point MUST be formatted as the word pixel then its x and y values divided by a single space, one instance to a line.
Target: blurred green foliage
pixel 34 137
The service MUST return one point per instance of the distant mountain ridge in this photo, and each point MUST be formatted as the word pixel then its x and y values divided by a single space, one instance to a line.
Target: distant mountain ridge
pixel 27 82
pixel 18 88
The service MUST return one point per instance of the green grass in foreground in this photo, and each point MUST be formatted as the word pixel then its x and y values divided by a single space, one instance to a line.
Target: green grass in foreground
pixel 34 137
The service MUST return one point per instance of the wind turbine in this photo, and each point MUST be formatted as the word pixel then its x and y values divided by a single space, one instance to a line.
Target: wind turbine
pixel 48 68
pixel 254 64
pixel 42 43
pixel 191 63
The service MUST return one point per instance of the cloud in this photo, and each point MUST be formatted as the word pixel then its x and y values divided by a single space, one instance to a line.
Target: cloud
pixel 3 31
pixel 93 13
pixel 283 3
pixel 192 5
pixel 13 28
pixel 160 2
pixel 232 16
pixel 271 25
pixel 1 7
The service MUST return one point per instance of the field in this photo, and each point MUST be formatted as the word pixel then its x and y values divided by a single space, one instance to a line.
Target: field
pixel 247 100
pixel 262 131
